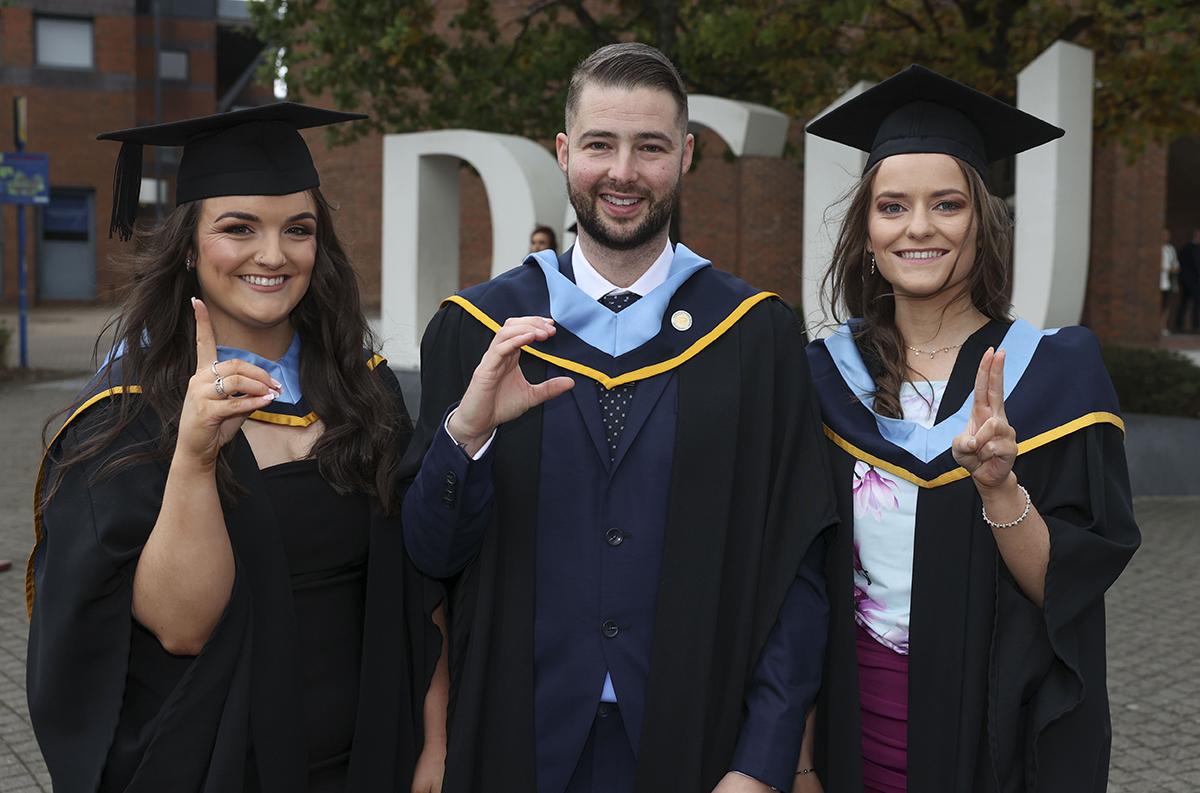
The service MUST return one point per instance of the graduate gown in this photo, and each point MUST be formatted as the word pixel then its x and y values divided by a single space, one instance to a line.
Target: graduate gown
pixel 1002 695
pixel 749 494
pixel 314 678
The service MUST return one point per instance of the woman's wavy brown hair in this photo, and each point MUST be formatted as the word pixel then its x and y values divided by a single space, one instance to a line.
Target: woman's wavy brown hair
pixel 849 286
pixel 364 429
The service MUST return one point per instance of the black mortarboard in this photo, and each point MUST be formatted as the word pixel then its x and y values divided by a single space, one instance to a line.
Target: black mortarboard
pixel 920 111
pixel 256 151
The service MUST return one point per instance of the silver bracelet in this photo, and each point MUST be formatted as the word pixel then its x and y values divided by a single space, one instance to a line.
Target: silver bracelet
pixel 805 771
pixel 1011 523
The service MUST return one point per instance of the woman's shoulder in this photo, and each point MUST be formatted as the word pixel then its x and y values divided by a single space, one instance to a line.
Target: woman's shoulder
pixel 105 393
pixel 1066 375
pixel 1071 350
pixel 1078 338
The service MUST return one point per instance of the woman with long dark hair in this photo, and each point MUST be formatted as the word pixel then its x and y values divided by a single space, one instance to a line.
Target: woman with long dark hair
pixel 219 595
pixel 980 469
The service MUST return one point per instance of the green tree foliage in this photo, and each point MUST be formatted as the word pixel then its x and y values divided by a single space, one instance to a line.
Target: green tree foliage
pixel 414 65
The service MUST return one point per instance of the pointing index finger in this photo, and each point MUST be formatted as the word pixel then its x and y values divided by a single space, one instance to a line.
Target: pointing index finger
pixel 996 385
pixel 206 342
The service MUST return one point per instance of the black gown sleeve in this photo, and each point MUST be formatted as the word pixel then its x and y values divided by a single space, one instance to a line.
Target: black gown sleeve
pixel 1048 702
pixel 448 501
pixel 111 709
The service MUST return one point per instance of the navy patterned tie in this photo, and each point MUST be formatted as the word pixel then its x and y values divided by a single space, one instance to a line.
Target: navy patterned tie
pixel 615 402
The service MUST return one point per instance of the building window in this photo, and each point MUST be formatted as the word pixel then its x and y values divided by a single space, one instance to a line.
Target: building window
pixel 173 65
pixel 67 217
pixel 64 43
pixel 153 191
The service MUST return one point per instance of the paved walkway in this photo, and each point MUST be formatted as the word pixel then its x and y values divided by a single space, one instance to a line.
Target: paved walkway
pixel 59 338
pixel 1154 674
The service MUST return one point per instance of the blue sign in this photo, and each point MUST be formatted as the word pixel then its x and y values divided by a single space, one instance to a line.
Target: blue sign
pixel 24 178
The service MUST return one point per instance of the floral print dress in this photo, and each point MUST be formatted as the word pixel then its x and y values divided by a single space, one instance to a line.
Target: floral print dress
pixel 885 512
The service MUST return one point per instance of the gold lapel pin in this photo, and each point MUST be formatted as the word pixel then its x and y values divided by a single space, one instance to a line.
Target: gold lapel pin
pixel 681 320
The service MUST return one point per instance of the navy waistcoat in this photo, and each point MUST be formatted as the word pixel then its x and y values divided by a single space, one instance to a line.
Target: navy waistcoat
pixel 599 548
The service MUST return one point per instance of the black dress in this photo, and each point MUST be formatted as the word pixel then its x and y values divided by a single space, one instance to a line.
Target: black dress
pixel 325 538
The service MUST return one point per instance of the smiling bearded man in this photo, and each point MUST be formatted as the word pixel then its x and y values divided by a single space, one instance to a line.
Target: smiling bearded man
pixel 637 600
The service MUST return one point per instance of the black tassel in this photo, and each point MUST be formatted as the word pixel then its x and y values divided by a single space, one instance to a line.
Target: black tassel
pixel 127 188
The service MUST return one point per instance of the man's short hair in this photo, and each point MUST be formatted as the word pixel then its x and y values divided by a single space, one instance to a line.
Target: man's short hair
pixel 628 65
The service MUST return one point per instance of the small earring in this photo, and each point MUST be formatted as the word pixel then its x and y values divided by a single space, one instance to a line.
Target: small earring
pixel 187 263
pixel 871 255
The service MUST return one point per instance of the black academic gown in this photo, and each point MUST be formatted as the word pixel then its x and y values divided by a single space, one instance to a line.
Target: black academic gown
pixel 1003 695
pixel 748 495
pixel 113 711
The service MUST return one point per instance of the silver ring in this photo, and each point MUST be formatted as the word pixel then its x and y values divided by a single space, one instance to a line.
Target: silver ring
pixel 213 366
pixel 219 387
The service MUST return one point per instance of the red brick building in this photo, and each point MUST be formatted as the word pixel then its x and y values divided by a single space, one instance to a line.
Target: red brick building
pixel 85 66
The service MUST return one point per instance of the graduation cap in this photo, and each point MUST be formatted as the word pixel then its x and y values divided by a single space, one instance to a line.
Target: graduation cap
pixel 255 151
pixel 920 111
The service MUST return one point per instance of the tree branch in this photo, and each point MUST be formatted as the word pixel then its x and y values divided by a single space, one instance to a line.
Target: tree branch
pixel 1078 27
pixel 969 13
pixel 538 8
pixel 589 23
pixel 911 20
pixel 526 20
pixel 932 13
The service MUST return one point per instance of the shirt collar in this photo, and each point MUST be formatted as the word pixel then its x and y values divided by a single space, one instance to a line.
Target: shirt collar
pixel 597 286
pixel 286 370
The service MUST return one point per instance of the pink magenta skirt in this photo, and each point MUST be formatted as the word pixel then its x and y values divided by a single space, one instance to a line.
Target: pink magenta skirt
pixel 883 700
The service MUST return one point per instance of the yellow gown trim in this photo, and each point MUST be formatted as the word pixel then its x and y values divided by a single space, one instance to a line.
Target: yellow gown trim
pixel 38 532
pixel 37 488
pixel 637 374
pixel 1027 445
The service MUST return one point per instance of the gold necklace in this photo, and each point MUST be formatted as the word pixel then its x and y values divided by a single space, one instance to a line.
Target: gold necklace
pixel 932 353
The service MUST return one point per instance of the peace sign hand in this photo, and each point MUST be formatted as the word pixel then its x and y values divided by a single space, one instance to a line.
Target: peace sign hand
pixel 219 397
pixel 988 446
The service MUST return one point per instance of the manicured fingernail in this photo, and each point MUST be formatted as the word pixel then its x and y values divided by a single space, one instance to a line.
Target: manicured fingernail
pixel 271 395
pixel 278 385
pixel 193 302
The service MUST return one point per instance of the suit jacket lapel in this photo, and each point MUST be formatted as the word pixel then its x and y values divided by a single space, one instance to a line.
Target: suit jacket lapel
pixel 645 397
pixel 588 403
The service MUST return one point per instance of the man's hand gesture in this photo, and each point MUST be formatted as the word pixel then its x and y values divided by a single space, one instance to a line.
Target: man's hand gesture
pixel 498 391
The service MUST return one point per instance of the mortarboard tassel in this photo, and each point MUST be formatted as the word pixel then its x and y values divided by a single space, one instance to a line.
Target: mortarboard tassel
pixel 127 188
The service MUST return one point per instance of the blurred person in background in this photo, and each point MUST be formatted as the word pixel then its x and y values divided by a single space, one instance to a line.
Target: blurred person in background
pixel 1189 284
pixel 1168 278
pixel 543 238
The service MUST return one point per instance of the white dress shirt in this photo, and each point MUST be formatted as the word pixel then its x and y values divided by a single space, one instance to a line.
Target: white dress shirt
pixel 597 286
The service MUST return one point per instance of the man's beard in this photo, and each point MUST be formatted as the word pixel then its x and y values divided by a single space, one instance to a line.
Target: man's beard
pixel 588 214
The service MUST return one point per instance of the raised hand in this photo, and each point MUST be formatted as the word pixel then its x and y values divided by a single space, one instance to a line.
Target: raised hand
pixel 988 446
pixel 498 391
pixel 219 397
